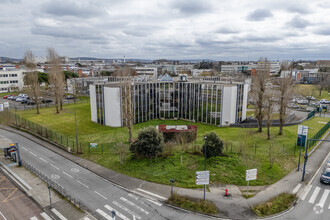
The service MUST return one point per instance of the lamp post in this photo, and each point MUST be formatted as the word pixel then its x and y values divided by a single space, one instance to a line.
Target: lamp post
pixel 172 181
pixel 50 197
pixel 205 163
pixel 75 122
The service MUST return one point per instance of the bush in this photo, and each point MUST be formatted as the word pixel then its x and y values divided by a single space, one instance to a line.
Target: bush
pixel 213 144
pixel 150 143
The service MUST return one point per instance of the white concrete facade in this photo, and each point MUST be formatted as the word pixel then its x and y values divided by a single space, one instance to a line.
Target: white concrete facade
pixel 112 101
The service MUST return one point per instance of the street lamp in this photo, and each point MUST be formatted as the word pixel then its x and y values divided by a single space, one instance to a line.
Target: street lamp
pixel 172 181
pixel 50 197
pixel 75 121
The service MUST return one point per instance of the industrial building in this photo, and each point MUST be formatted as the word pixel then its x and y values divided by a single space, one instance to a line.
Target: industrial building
pixel 207 101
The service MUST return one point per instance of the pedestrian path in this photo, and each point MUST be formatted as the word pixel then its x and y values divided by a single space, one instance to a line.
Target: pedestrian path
pixel 128 207
pixel 316 195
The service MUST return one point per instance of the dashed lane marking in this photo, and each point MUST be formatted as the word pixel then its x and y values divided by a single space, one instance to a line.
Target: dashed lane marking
pixel 33 153
pixel 296 189
pixel 117 213
pixel 134 205
pixel 43 160
pixel 83 184
pixel 152 194
pixel 3 216
pixel 24 148
pixel 126 209
pixel 67 174
pixel 306 192
pixel 58 214
pixel 45 216
pixel 34 218
pixel 101 195
pixel 314 195
pixel 55 167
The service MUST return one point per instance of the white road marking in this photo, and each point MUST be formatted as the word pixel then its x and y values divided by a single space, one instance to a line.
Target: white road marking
pixel 152 194
pixel 133 204
pixel 324 197
pixel 321 122
pixel 86 218
pixel 329 206
pixel 101 195
pixel 24 148
pixel 58 214
pixel 67 174
pixel 34 218
pixel 55 167
pixel 306 192
pixel 45 216
pixel 83 184
pixel 126 209
pixel 296 189
pixel 33 153
pixel 105 215
pixel 3 216
pixel 134 197
pixel 154 202
pixel 314 195
pixel 117 213
pixel 43 160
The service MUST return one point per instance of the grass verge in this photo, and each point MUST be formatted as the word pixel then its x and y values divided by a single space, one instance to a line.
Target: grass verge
pixel 192 204
pixel 275 205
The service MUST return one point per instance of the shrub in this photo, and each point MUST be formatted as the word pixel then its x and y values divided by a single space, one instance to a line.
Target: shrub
pixel 150 143
pixel 213 144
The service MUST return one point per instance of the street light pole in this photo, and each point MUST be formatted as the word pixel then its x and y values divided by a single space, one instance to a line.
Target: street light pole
pixel 75 121
pixel 305 162
pixel 50 198
pixel 205 163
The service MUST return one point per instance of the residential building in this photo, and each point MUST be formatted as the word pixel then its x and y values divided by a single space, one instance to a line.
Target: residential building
pixel 11 78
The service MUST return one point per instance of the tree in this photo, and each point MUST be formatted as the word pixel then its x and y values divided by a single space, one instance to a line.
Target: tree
pixel 324 81
pixel 213 145
pixel 150 143
pixel 268 111
pixel 259 81
pixel 31 79
pixel 285 87
pixel 56 77
pixel 43 77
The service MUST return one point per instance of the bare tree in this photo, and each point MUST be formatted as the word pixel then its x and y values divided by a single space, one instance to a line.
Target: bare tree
pixel 31 79
pixel 259 81
pixel 324 82
pixel 268 112
pixel 285 87
pixel 56 77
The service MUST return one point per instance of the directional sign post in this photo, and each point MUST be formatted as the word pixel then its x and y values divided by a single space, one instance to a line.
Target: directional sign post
pixel 203 178
pixel 301 139
pixel 250 175
pixel 93 145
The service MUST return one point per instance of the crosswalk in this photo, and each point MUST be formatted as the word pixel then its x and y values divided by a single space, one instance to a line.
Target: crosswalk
pixel 43 216
pixel 317 196
pixel 128 207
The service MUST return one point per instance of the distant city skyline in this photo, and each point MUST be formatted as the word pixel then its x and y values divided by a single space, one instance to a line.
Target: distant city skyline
pixel 171 29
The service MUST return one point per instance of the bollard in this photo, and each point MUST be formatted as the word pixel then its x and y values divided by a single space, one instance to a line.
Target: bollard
pixel 226 192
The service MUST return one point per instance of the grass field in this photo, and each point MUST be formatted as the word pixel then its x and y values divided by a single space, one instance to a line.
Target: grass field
pixel 244 149
pixel 311 90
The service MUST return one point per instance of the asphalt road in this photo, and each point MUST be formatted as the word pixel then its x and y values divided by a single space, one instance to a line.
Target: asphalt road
pixel 14 204
pixel 99 195
pixel 314 202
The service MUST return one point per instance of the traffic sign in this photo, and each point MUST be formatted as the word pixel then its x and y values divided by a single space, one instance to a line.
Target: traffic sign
pixel 93 145
pixel 303 130
pixel 6 104
pixel 1 107
pixel 202 177
pixel 251 174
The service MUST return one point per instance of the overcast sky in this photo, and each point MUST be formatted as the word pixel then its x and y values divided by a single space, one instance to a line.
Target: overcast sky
pixel 172 29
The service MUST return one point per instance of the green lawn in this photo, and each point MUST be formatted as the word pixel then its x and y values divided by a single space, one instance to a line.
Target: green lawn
pixel 311 90
pixel 244 149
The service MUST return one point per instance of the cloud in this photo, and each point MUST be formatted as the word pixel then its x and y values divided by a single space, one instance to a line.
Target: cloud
pixel 323 31
pixel 226 30
pixel 259 15
pixel 298 22
pixel 192 7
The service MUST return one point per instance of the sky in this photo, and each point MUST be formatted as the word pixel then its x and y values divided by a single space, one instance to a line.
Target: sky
pixel 167 29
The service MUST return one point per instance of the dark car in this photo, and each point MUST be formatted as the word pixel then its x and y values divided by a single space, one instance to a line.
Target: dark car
pixel 30 102
pixel 325 176
pixel 46 100
pixel 12 97
pixel 25 100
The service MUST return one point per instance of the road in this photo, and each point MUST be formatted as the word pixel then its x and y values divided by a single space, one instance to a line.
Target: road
pixel 314 202
pixel 15 204
pixel 99 195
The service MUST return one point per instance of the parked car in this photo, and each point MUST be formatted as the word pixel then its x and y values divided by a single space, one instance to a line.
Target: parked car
pixel 25 100
pixel 6 96
pixel 12 97
pixel 46 100
pixel 23 95
pixel 302 102
pixel 310 97
pixel 31 102
pixel 327 165
pixel 325 176
pixel 19 99
pixel 324 101
pixel 69 97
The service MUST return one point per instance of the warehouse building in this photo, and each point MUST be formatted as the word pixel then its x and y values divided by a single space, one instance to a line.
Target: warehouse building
pixel 212 102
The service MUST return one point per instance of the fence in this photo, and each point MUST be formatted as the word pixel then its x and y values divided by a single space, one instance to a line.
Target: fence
pixel 319 134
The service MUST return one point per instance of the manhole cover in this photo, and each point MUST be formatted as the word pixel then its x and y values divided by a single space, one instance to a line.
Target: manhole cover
pixel 55 176
pixel 74 170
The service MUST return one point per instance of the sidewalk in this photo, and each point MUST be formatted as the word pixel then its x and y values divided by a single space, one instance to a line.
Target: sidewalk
pixel 235 207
